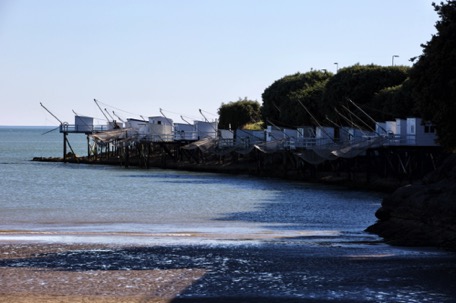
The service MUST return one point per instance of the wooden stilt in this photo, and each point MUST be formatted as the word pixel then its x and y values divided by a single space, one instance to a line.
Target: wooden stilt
pixel 64 146
pixel 88 146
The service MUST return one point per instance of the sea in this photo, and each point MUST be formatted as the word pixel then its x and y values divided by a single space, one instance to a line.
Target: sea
pixel 310 237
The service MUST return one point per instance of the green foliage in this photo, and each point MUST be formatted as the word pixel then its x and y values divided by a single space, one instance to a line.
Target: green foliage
pixel 254 126
pixel 395 102
pixel 239 113
pixel 283 100
pixel 361 83
pixel 303 99
pixel 433 77
pixel 308 104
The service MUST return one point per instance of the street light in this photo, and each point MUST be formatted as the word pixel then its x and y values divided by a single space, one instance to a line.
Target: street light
pixel 392 59
pixel 337 66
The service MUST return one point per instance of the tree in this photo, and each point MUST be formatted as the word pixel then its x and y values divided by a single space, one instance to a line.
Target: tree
pixel 283 99
pixel 237 114
pixel 361 83
pixel 433 76
pixel 308 108
pixel 395 102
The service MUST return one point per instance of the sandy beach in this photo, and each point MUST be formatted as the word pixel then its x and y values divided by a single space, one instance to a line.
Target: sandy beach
pixel 29 285
pixel 108 274
pixel 59 285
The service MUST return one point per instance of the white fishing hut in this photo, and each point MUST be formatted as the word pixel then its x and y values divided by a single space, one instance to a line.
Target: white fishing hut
pixel 274 133
pixel 305 136
pixel 410 131
pixel 420 133
pixel 324 135
pixel 348 134
pixel 306 132
pixel 226 137
pixel 135 123
pixel 290 133
pixel 291 137
pixel 140 126
pixel 206 129
pixel 185 132
pixel 160 129
pixel 247 138
pixel 83 124
pixel 396 131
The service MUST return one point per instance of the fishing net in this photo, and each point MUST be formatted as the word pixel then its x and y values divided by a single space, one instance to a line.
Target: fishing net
pixel 310 157
pixel 244 150
pixel 358 147
pixel 125 134
pixel 270 147
pixel 205 145
pixel 325 151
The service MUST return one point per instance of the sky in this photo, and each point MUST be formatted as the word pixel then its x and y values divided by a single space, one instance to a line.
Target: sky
pixel 177 57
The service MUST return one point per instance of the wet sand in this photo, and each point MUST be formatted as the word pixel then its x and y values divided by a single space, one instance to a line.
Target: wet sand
pixel 104 274
pixel 31 284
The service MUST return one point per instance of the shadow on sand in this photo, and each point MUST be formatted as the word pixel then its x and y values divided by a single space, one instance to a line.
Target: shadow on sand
pixel 271 273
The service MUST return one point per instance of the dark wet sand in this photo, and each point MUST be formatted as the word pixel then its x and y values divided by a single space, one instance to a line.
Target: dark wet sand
pixel 269 273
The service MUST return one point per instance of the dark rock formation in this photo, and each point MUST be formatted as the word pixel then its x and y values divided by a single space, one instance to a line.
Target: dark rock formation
pixel 422 214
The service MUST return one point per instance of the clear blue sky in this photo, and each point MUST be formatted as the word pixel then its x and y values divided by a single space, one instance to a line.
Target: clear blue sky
pixel 184 55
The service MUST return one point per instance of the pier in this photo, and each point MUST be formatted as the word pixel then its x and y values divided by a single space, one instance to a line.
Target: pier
pixel 392 154
pixel 362 161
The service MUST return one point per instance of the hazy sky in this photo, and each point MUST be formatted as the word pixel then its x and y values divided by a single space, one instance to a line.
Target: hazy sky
pixel 184 55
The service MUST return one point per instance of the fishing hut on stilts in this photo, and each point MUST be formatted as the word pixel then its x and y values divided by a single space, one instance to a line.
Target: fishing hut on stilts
pixel 355 147
pixel 65 128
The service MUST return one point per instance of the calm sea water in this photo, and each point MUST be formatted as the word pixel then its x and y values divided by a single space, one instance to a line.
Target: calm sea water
pixel 58 201
pixel 254 236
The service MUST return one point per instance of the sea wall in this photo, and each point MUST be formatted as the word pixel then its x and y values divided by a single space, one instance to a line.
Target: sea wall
pixel 421 214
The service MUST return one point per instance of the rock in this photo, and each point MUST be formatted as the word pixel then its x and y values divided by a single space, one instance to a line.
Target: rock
pixel 422 214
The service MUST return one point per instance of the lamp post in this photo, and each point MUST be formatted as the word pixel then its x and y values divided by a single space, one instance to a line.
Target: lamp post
pixel 337 66
pixel 392 59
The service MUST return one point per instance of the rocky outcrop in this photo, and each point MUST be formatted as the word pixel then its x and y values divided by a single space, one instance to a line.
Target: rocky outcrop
pixel 421 214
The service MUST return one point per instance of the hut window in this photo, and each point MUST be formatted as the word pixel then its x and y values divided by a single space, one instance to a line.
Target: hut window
pixel 429 128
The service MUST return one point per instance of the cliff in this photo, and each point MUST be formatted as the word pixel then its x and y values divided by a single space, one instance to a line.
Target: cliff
pixel 422 214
